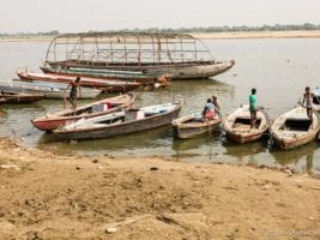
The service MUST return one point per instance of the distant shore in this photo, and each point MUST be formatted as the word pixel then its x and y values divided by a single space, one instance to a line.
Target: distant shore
pixel 215 35
pixel 260 34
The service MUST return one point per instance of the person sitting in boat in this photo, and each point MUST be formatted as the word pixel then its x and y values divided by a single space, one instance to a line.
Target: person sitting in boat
pixel 73 94
pixel 209 110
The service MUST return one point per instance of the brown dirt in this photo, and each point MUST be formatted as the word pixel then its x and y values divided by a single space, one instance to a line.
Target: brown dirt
pixel 48 196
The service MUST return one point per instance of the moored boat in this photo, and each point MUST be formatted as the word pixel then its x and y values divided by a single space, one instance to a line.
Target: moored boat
pixel 134 55
pixel 123 122
pixel 293 128
pixel 238 128
pixel 18 97
pixel 107 85
pixel 49 90
pixel 194 124
pixel 51 121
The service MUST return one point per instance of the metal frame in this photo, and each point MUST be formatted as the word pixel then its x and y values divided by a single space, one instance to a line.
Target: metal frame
pixel 126 48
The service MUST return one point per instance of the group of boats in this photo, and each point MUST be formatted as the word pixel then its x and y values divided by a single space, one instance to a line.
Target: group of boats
pixel 289 130
pixel 122 62
pixel 113 62
pixel 106 118
pixel 117 115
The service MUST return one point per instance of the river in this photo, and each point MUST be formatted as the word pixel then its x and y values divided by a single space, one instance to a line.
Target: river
pixel 279 69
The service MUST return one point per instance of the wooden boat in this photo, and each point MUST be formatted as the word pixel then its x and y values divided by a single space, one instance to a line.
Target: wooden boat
pixel 130 121
pixel 192 125
pixel 294 128
pixel 106 85
pixel 106 73
pixel 18 97
pixel 49 90
pixel 237 125
pixel 139 55
pixel 51 121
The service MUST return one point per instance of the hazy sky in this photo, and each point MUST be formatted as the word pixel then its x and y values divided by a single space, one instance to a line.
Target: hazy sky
pixel 102 15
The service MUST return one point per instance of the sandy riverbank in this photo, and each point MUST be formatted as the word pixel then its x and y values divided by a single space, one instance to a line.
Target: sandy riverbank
pixel 218 35
pixel 45 195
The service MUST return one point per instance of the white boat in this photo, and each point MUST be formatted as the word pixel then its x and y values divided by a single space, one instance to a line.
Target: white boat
pixel 49 90
pixel 121 122
pixel 194 124
pixel 238 128
pixel 51 121
pixel 294 128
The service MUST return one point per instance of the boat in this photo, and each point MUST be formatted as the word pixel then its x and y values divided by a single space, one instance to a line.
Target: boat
pixel 293 128
pixel 51 121
pixel 194 124
pixel 107 85
pixel 18 97
pixel 107 74
pixel 133 55
pixel 123 122
pixel 238 128
pixel 49 90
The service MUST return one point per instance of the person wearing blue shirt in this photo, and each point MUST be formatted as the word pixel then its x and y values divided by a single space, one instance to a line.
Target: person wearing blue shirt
pixel 253 107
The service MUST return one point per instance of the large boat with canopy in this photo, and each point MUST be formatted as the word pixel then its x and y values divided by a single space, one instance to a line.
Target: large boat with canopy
pixel 132 55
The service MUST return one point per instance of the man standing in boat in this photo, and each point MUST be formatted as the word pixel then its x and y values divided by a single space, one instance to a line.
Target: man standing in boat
pixel 307 101
pixel 253 107
pixel 73 94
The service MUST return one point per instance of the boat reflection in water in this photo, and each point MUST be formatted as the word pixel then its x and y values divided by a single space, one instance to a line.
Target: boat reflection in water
pixel 302 160
pixel 146 143
pixel 196 149
pixel 250 153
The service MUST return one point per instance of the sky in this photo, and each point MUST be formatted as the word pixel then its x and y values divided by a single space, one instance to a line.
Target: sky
pixel 105 15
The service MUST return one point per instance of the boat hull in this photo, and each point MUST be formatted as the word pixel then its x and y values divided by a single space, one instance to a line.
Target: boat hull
pixel 48 90
pixel 237 125
pixel 287 136
pixel 192 70
pixel 49 122
pixel 189 126
pixel 106 85
pixel 138 125
pixel 17 97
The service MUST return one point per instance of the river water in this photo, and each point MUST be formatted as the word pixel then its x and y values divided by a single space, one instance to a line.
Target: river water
pixel 279 69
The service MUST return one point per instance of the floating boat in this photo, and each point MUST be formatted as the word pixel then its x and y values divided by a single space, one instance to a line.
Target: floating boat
pixel 49 90
pixel 293 128
pixel 51 121
pixel 122 122
pixel 111 86
pixel 134 55
pixel 18 97
pixel 108 74
pixel 237 125
pixel 194 124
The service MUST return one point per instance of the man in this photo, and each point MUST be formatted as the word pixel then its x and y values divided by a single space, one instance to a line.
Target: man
pixel 308 101
pixel 74 92
pixel 253 107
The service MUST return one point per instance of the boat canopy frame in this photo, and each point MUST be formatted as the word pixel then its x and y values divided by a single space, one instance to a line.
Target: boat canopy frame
pixel 126 48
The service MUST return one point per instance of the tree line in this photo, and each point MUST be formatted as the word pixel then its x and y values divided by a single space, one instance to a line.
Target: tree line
pixel 276 27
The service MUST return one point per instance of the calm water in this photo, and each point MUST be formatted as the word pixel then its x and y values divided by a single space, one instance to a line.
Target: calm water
pixel 279 69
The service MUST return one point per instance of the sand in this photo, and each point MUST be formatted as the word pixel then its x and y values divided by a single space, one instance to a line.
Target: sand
pixel 45 195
